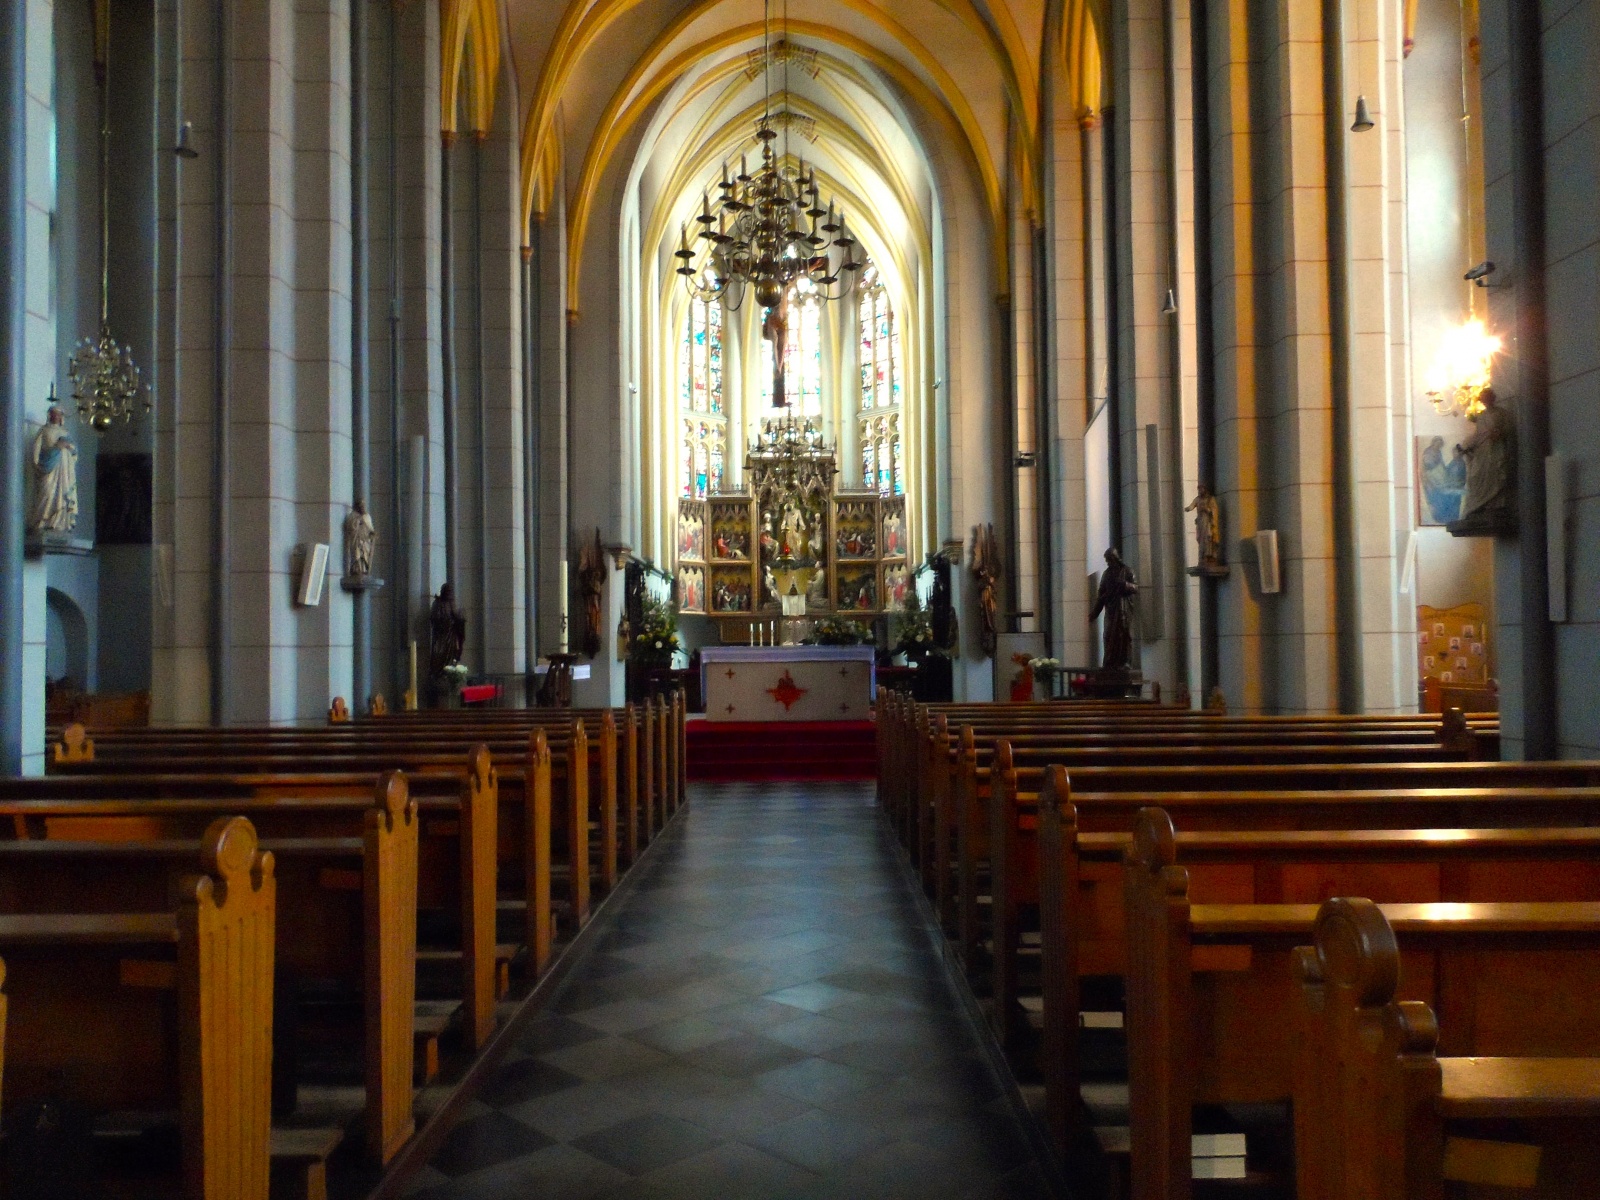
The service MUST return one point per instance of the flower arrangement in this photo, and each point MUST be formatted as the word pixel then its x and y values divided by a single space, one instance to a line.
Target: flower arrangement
pixel 656 640
pixel 1043 666
pixel 835 631
pixel 457 671
pixel 912 634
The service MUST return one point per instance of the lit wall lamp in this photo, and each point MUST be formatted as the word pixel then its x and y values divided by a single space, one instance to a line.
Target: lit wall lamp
pixel 1363 121
pixel 1462 369
pixel 1170 308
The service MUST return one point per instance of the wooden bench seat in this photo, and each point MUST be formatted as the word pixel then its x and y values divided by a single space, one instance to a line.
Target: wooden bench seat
pixel 1082 920
pixel 1210 1002
pixel 1002 833
pixel 575 769
pixel 456 855
pixel 158 1011
pixel 1379 1116
pixel 346 914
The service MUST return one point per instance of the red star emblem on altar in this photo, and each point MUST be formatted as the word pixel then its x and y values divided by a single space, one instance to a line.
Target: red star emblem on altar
pixel 786 693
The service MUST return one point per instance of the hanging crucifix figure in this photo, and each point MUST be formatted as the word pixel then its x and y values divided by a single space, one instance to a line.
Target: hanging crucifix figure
pixel 775 329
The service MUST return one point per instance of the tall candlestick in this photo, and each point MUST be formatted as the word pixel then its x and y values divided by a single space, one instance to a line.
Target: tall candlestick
pixel 752 635
pixel 563 606
pixel 413 692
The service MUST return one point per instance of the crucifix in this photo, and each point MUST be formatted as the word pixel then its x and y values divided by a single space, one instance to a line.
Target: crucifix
pixel 775 329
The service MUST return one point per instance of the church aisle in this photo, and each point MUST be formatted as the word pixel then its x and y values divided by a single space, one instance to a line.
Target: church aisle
pixel 764 1017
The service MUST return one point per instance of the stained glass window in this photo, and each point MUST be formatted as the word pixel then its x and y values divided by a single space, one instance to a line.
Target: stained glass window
pixel 700 399
pixel 881 382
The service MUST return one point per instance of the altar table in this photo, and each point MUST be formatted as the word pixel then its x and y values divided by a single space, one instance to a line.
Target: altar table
pixel 788 683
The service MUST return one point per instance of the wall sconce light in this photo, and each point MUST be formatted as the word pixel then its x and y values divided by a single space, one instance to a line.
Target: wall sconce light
pixel 1363 121
pixel 1170 308
pixel 1480 274
pixel 185 147
pixel 1461 370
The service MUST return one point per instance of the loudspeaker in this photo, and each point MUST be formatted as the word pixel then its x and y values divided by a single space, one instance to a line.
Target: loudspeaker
pixel 1267 561
pixel 313 571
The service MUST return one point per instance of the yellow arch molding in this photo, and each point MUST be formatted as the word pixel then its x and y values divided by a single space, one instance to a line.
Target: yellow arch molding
pixel 577 34
pixel 618 119
pixel 459 22
pixel 1082 56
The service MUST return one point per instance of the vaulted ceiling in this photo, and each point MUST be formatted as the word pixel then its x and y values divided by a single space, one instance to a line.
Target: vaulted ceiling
pixel 886 94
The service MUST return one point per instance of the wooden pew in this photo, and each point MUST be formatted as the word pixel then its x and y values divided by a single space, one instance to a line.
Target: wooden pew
pixel 456 855
pixel 1390 842
pixel 578 769
pixel 1378 1114
pixel 1003 827
pixel 1210 1003
pixel 346 912
pixel 1010 843
pixel 941 805
pixel 159 1012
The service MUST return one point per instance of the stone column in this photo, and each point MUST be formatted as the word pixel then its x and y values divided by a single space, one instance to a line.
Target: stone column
pixel 1154 405
pixel 1068 322
pixel 14 100
pixel 501 462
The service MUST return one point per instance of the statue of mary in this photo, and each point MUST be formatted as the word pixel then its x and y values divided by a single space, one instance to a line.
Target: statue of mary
pixel 54 459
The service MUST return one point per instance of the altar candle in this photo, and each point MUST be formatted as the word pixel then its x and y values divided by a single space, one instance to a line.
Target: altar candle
pixel 752 634
pixel 563 589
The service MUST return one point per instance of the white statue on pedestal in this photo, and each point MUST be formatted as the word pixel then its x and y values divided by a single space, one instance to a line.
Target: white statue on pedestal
pixel 54 458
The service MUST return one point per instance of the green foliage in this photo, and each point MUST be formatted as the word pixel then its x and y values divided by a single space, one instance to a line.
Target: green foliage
pixel 835 631
pixel 912 632
pixel 656 640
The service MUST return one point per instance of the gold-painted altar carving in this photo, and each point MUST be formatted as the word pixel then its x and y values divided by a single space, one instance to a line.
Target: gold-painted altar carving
pixel 790 533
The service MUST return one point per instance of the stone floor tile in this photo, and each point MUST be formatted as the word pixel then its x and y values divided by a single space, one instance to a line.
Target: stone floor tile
pixel 817 1140
pixel 646 1142
pixel 606 1057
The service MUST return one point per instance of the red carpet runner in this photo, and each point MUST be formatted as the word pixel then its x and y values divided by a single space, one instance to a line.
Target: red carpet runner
pixel 780 750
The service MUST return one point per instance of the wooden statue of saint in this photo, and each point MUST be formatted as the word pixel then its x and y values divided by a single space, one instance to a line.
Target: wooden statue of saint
pixel 447 632
pixel 1118 591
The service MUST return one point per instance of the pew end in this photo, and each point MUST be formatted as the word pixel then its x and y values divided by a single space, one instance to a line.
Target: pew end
pixel 75 746
pixel 1378 1114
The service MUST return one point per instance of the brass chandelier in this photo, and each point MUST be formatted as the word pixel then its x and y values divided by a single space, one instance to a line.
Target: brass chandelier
pixel 767 230
pixel 105 379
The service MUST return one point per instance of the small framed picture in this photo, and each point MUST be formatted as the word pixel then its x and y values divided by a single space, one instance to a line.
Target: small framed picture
pixel 1455 643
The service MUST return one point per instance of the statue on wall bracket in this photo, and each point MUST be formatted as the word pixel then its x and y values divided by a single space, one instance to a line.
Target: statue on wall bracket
pixel 1207 534
pixel 1489 508
pixel 986 567
pixel 53 464
pixel 592 581
pixel 360 543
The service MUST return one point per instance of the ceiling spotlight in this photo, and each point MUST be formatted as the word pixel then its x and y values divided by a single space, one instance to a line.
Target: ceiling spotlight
pixel 1363 121
pixel 1480 274
pixel 185 147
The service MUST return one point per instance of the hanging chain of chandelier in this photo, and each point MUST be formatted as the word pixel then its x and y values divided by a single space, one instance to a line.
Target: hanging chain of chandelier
pixel 105 379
